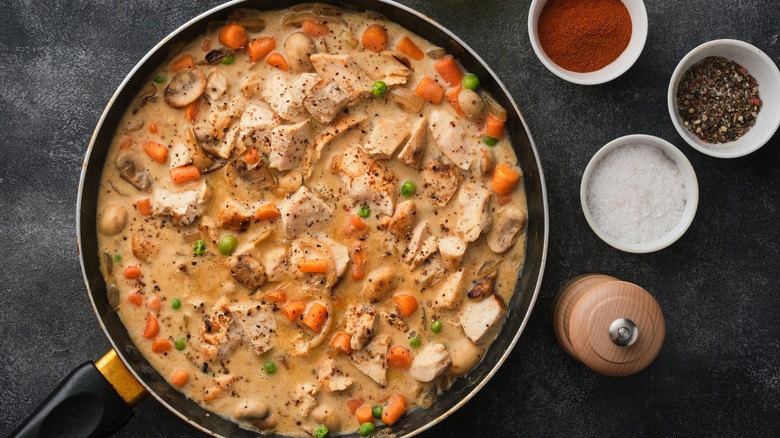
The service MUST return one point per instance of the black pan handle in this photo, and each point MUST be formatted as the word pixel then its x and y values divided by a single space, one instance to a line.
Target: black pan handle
pixel 92 401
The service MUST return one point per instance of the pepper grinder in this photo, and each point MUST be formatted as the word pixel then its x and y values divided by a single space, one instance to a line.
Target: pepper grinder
pixel 614 327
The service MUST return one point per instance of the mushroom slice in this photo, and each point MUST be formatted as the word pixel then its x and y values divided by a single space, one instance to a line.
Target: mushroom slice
pixel 248 271
pixel 508 223
pixel 299 48
pixel 132 172
pixel 186 87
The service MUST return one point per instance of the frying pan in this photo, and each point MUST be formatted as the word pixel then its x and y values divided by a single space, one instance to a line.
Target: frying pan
pixel 97 398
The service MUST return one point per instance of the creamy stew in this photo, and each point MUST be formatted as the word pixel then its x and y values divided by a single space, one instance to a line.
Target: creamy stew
pixel 313 220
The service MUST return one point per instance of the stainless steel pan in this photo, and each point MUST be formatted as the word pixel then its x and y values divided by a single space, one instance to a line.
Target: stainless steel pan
pixel 96 399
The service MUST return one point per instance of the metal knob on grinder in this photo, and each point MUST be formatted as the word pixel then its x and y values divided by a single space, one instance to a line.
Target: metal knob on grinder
pixel 614 327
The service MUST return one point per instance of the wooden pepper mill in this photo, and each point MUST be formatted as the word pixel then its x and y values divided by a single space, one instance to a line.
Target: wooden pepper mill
pixel 614 327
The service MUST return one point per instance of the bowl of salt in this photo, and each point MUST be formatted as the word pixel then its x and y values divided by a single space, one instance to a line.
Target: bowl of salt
pixel 639 193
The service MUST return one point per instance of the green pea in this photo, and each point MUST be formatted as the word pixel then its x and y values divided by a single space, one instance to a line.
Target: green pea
pixel 379 88
pixel 269 367
pixel 407 189
pixel 471 82
pixel 364 211
pixel 366 429
pixel 321 431
pixel 227 60
pixel 227 244
pixel 159 79
pixel 199 248
pixel 377 411
pixel 415 341
pixel 490 141
pixel 176 303
pixel 179 343
pixel 436 326
pixel 117 258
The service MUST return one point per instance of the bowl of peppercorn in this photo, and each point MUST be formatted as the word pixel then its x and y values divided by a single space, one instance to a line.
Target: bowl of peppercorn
pixel 724 98
pixel 587 42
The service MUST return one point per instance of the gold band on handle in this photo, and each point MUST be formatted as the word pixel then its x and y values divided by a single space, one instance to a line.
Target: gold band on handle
pixel 123 381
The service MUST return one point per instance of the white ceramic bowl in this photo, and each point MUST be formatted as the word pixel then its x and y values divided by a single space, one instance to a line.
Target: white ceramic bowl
pixel 691 192
pixel 636 8
pixel 761 67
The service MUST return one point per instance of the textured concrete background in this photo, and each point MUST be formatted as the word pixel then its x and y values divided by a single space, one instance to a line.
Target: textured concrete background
pixel 719 371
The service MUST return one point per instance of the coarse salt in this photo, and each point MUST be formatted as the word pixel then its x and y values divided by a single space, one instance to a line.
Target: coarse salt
pixel 636 194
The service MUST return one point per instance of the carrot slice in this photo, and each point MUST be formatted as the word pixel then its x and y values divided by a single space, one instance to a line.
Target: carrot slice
pixel 144 206
pixel 452 97
pixel 183 174
pixel 358 260
pixel 251 157
pixel 125 143
pixel 504 179
pixel 182 62
pixel 410 49
pixel 153 128
pixel 191 112
pixel 154 304
pixel 449 70
pixel 132 272
pixel 316 316
pixel 278 296
pixel 356 222
pixel 354 403
pixel 406 304
pixel 374 38
pixel 494 126
pixel 152 327
pixel 429 90
pixel 313 266
pixel 260 48
pixel 365 414
pixel 312 28
pixel 277 60
pixel 233 35
pixel 399 357
pixel 156 151
pixel 294 309
pixel 393 412
pixel 267 212
pixel 135 298
pixel 342 343
pixel 179 378
pixel 161 345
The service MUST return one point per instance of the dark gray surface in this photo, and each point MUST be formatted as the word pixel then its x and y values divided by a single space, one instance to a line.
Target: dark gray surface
pixel 719 371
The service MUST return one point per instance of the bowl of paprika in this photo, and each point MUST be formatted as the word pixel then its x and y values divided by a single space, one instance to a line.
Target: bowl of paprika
pixel 587 42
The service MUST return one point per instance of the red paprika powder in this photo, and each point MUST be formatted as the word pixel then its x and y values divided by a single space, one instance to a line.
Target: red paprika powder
pixel 584 35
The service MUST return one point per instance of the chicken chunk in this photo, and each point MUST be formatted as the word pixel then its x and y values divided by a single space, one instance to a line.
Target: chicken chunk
pixel 440 181
pixel 218 341
pixel 216 85
pixel 403 220
pixel 182 208
pixel 342 70
pixel 386 138
pixel 473 205
pixel 340 126
pixel 451 137
pixel 367 180
pixel 452 249
pixel 255 324
pixel 289 146
pixel 180 156
pixel 303 397
pixel 304 213
pixel 285 95
pixel 277 266
pixel 361 325
pixel 414 149
pixel 509 222
pixel 378 283
pixel 449 293
pixel 421 245
pixel 227 146
pixel 480 319
pixel 233 216
pixel 247 271
pixel 464 355
pixel 330 376
pixel 429 363
pixel 372 360
pixel 382 67
pixel 256 124
pixel 325 101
